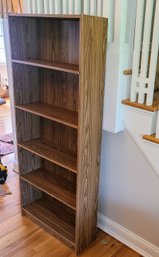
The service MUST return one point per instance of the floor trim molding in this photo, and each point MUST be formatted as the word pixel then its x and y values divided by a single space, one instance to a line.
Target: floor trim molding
pixel 127 237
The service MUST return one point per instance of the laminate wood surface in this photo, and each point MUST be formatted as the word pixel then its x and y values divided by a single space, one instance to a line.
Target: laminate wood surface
pixel 152 108
pixel 45 39
pixel 51 112
pixel 66 67
pixel 49 216
pixel 57 187
pixel 91 92
pixel 152 138
pixel 55 16
pixel 41 149
pixel 33 85
pixel 59 136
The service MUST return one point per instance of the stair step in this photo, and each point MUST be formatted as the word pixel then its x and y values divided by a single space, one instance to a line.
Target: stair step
pixel 152 108
pixel 151 138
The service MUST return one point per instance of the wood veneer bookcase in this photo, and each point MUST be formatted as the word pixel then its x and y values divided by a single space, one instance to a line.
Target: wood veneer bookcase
pixel 58 67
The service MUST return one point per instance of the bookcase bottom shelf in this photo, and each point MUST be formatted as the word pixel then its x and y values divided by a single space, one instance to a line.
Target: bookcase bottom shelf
pixel 52 219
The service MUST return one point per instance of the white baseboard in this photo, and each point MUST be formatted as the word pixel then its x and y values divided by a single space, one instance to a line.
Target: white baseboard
pixel 127 237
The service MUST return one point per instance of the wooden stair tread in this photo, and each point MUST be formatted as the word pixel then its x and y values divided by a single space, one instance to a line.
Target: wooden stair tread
pixel 66 67
pixel 59 188
pixel 55 221
pixel 152 108
pixel 51 112
pixel 151 138
pixel 38 147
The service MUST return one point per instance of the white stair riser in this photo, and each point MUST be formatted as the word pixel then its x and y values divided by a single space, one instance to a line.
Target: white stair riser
pixel 157 127
pixel 139 121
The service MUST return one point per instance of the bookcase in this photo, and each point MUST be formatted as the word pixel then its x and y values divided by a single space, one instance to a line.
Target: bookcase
pixel 58 65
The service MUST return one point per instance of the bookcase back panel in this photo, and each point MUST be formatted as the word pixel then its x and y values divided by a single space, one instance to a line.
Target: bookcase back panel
pixel 60 172
pixel 59 136
pixel 32 84
pixel 59 88
pixel 27 126
pixel 45 39
pixel 26 84
pixel 28 161
pixel 60 208
pixel 29 193
pixel 53 134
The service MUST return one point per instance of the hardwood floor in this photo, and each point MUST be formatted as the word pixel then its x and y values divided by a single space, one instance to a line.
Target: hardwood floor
pixel 20 237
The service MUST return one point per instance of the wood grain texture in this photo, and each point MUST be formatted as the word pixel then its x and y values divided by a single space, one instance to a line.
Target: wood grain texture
pixel 37 85
pixel 54 16
pixel 59 136
pixel 52 40
pixel 28 161
pixel 29 193
pixel 26 84
pixel 53 219
pixel 59 89
pixel 152 108
pixel 41 149
pixel 57 187
pixel 70 68
pixel 54 113
pixel 152 138
pixel 91 92
pixel 27 126
pixel 49 144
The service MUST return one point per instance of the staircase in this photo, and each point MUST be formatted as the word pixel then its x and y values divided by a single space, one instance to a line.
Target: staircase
pixel 141 117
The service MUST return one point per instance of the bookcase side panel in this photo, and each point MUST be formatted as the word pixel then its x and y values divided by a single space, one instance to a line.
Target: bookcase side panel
pixel 91 91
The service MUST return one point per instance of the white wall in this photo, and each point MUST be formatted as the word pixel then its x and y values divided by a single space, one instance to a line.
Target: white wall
pixel 129 188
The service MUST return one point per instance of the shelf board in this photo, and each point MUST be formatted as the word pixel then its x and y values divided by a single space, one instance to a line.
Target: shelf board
pixel 61 115
pixel 40 148
pixel 51 218
pixel 66 67
pixel 59 188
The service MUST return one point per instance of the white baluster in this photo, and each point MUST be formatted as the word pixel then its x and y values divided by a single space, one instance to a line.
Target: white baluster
pixel 86 7
pixel 93 7
pixel 34 6
pixel 58 6
pixel 137 48
pixel 99 7
pixel 40 6
pixel 65 6
pixel 29 6
pixel 71 6
pixel 145 49
pixel 78 7
pixel 109 12
pixel 51 7
pixel 46 6
pixel 154 57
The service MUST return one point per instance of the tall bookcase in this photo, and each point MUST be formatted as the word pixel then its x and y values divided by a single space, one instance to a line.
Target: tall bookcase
pixel 58 65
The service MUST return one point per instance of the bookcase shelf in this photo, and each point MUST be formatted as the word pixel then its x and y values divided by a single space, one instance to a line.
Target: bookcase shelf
pixel 58 65
pixel 52 154
pixel 66 67
pixel 47 215
pixel 61 189
pixel 55 113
